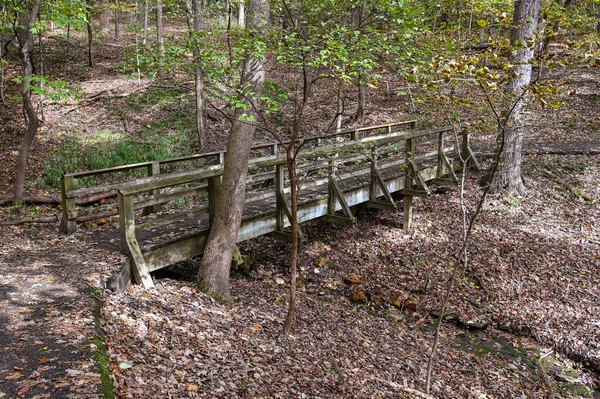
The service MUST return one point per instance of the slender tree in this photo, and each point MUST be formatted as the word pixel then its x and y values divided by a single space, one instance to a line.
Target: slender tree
pixel 159 36
pixel 213 274
pixel 198 26
pixel 522 38
pixel 28 14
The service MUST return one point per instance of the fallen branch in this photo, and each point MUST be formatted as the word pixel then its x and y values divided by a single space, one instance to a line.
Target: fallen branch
pixel 107 94
pixel 29 199
pixel 46 199
pixel 95 198
pixel 19 222
pixel 415 393
pixel 573 190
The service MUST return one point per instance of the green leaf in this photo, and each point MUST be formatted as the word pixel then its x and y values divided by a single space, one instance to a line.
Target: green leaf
pixel 125 365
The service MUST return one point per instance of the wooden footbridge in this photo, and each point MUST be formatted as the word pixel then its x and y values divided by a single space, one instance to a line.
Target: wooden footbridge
pixel 368 166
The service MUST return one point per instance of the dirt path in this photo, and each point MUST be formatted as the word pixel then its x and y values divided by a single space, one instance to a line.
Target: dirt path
pixel 46 315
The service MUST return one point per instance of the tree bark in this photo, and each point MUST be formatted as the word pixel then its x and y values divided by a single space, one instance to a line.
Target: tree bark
pixel 117 34
pixel 340 106
pixel 360 111
pixel 2 70
pixel 241 13
pixel 105 17
pixel 213 274
pixel 159 36
pixel 198 26
pixel 145 25
pixel 291 152
pixel 90 34
pixel 25 38
pixel 525 22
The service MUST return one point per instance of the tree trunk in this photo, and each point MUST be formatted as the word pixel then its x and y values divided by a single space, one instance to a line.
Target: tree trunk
pixel 525 22
pixel 25 38
pixel 42 117
pixel 291 314
pixel 198 26
pixel 117 34
pixel 2 70
pixel 241 14
pixel 340 106
pixel 159 36
pixel 291 152
pixel 68 40
pixel 105 17
pixel 145 25
pixel 190 12
pixel 360 111
pixel 90 34
pixel 213 274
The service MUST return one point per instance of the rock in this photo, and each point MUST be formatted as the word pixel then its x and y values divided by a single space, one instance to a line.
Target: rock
pixel 476 324
pixel 358 296
pixel 394 314
pixel 300 286
pixel 566 378
pixel 448 316
pixel 396 300
pixel 352 279
pixel 319 262
pixel 410 304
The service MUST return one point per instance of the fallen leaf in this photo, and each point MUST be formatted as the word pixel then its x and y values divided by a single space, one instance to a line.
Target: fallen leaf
pixel 43 361
pixel 23 391
pixel 192 388
pixel 13 376
pixel 125 365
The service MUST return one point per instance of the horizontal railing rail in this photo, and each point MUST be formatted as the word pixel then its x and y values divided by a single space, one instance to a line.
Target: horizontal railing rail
pixel 153 168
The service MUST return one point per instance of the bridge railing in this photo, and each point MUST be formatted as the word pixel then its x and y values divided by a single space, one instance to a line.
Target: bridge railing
pixel 155 190
pixel 71 195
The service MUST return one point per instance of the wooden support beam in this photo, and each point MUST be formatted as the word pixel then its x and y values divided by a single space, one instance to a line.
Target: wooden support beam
pixel 153 170
pixel 214 191
pixel 466 152
pixel 336 193
pixel 414 193
pixel 283 211
pixel 408 183
pixel 137 263
pixel 408 211
pixel 67 225
pixel 378 184
pixel 421 183
pixel 443 165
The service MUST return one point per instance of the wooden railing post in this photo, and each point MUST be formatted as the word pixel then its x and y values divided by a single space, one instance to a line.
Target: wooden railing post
pixel 355 135
pixel 279 195
pixel 330 191
pixel 440 161
pixel 214 191
pixel 67 226
pixel 466 153
pixel 129 244
pixel 153 170
pixel 408 184
pixel 373 187
pixel 122 223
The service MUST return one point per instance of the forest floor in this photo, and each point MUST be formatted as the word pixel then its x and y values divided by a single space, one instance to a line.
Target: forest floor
pixel 524 318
